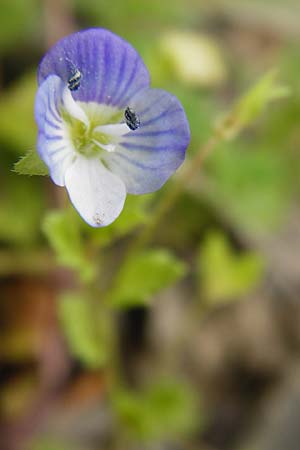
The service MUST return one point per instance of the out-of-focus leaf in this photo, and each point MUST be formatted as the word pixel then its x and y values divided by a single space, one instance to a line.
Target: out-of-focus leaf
pixel 17 397
pixel 164 410
pixel 85 329
pixel 17 127
pixel 225 275
pixel 31 164
pixel 194 59
pixel 144 275
pixel 126 14
pixel 252 104
pixel 249 187
pixel 62 229
pixel 49 443
pixel 22 206
pixel 16 18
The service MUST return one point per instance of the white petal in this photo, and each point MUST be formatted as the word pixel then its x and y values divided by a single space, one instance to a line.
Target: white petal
pixel 54 144
pixel 73 108
pixel 96 193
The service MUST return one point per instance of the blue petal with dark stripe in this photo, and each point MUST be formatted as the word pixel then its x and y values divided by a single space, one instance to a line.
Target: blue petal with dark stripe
pixel 111 71
pixel 145 158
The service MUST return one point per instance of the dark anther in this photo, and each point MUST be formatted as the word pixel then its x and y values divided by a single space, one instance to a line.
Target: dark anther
pixel 131 118
pixel 74 80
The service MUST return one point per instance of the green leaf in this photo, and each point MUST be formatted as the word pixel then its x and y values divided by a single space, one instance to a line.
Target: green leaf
pixel 252 104
pixel 144 275
pixel 31 164
pixel 18 129
pixel 19 21
pixel 22 206
pixel 62 228
pixel 166 409
pixel 225 275
pixel 250 188
pixel 85 329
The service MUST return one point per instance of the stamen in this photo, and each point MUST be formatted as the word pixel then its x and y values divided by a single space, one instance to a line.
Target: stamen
pixel 73 108
pixel 118 129
pixel 74 80
pixel 131 118
pixel 108 147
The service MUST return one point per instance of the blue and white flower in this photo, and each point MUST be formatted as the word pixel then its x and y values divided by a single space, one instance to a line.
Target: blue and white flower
pixel 103 132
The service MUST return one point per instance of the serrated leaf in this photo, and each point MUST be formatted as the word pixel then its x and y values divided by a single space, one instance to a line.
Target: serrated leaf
pixel 85 329
pixel 31 164
pixel 225 275
pixel 144 275
pixel 62 229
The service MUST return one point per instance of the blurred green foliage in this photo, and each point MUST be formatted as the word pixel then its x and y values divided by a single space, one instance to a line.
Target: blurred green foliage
pixel 164 410
pixel 86 330
pixel 62 229
pixel 250 187
pixel 144 275
pixel 223 274
pixel 17 126
pixel 48 443
pixel 245 188
pixel 17 18
pixel 253 103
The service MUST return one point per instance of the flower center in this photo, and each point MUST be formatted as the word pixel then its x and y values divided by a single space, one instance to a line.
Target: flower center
pixel 100 132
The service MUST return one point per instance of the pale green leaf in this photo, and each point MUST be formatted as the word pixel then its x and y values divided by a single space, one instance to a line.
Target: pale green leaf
pixel 85 329
pixel 62 228
pixel 144 275
pixel 250 188
pixel 22 206
pixel 17 126
pixel 225 275
pixel 31 164
pixel 252 104
pixel 164 410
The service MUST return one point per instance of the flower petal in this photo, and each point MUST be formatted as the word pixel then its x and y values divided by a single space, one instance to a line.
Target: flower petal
pixel 110 68
pixel 145 158
pixel 96 193
pixel 54 144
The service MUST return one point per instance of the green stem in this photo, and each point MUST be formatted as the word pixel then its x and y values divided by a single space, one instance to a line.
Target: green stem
pixel 168 201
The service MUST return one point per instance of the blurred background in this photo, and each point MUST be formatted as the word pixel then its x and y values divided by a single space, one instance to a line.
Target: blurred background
pixel 199 347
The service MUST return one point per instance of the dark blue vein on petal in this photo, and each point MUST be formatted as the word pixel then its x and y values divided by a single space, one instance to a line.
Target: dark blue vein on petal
pixel 106 71
pixel 161 115
pixel 53 137
pixel 153 148
pixel 52 124
pixel 159 164
pixel 53 113
pixel 129 81
pixel 143 134
pixel 122 69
